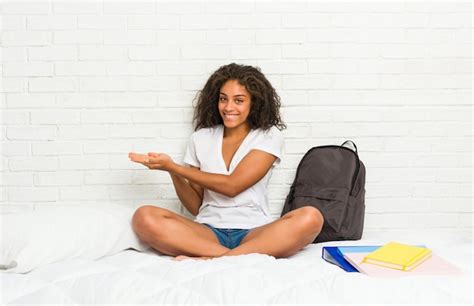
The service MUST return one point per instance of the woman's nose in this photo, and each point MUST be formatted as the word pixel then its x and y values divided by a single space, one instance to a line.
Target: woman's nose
pixel 229 106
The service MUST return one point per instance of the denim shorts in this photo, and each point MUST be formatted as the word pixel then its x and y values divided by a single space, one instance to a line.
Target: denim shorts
pixel 229 237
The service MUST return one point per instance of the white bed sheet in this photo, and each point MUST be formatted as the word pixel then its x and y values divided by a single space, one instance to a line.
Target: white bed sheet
pixel 132 277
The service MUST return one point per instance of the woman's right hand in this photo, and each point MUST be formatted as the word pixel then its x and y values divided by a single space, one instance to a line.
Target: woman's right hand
pixel 157 161
pixel 138 158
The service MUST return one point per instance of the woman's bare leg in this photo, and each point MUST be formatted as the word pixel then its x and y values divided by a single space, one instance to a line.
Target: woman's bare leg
pixel 283 237
pixel 173 234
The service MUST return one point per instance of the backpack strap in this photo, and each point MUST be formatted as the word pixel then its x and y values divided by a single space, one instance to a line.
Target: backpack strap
pixel 351 142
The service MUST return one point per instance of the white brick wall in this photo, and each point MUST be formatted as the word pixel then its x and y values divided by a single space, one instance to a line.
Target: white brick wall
pixel 84 83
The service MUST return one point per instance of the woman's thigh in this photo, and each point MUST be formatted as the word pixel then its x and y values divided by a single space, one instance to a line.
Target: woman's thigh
pixel 155 213
pixel 297 212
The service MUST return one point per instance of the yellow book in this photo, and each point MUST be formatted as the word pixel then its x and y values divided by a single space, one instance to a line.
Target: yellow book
pixel 398 256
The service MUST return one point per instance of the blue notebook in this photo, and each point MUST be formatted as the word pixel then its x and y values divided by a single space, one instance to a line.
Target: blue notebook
pixel 358 248
pixel 335 255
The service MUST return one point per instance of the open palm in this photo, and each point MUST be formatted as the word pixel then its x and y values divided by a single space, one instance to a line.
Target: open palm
pixel 158 161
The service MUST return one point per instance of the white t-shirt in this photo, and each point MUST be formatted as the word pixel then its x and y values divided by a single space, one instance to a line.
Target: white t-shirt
pixel 248 209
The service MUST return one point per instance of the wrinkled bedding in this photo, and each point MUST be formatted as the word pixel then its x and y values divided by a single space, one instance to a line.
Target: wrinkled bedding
pixel 132 277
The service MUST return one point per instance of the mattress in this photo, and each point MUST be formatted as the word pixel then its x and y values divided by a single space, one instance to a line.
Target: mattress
pixel 133 277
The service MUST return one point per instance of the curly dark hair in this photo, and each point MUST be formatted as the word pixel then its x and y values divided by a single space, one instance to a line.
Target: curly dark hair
pixel 265 102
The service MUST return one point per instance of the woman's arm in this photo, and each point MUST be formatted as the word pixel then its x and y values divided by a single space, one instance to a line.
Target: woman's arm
pixel 188 193
pixel 252 168
pixel 249 171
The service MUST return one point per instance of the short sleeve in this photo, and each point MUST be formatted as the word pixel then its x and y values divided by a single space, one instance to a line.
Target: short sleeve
pixel 190 156
pixel 271 141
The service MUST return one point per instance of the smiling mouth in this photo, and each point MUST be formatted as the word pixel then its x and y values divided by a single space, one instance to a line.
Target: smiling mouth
pixel 230 115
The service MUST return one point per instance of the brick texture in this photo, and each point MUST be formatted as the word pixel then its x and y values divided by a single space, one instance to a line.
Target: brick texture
pixel 84 83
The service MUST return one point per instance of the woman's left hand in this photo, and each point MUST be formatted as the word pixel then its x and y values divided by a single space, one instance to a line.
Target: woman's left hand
pixel 158 161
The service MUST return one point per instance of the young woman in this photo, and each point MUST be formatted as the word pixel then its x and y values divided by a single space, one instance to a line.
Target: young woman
pixel 237 141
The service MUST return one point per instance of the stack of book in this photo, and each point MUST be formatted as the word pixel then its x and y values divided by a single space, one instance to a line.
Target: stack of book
pixel 393 259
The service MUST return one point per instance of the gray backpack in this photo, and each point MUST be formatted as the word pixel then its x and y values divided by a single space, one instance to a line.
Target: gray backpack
pixel 332 179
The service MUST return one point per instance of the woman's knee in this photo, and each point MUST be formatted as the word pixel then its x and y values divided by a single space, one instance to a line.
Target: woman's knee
pixel 311 219
pixel 146 217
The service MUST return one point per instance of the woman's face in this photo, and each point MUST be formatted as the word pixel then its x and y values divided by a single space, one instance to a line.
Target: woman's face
pixel 234 104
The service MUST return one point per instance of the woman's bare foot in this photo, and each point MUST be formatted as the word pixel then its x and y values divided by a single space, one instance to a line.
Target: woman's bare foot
pixel 183 257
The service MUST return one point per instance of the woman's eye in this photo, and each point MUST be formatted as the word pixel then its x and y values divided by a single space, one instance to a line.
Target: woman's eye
pixel 240 101
pixel 221 99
